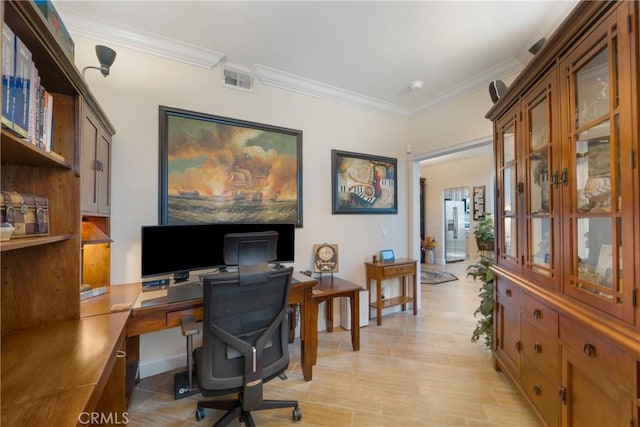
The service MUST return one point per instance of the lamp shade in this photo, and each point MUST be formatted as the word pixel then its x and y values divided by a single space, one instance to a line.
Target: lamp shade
pixel 106 56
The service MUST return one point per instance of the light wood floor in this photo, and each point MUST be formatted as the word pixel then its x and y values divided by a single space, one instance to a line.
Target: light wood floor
pixel 412 370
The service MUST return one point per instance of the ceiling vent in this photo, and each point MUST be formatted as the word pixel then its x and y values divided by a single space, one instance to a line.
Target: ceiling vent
pixel 239 79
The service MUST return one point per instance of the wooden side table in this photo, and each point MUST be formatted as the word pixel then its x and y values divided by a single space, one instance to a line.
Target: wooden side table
pixel 326 290
pixel 400 268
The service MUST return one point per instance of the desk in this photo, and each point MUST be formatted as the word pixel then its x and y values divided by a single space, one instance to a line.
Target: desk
pixel 53 374
pixel 400 268
pixel 326 290
pixel 151 312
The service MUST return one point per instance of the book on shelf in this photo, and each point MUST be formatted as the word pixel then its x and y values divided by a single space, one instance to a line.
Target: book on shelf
pixel 8 74
pixel 21 95
pixel 47 118
pixel 32 135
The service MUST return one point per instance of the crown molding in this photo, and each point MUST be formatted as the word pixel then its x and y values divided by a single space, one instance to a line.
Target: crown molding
pixel 500 71
pixel 148 43
pixel 90 27
pixel 273 77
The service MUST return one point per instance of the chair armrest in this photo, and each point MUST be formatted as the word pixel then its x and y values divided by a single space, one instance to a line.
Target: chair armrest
pixel 189 325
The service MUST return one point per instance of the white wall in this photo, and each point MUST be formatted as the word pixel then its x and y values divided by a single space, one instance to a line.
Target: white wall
pixel 130 96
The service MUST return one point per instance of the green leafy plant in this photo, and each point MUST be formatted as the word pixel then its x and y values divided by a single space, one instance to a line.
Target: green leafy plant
pixel 484 328
pixel 484 232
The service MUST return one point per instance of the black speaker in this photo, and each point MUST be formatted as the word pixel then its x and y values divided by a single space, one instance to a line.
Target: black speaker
pixel 497 88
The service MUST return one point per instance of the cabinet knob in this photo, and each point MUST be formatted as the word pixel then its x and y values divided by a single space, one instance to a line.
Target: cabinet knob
pixel 537 389
pixel 537 313
pixel 537 348
pixel 508 292
pixel 518 346
pixel 562 394
pixel 589 349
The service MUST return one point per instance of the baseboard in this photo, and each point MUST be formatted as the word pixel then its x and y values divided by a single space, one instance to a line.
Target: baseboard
pixel 156 367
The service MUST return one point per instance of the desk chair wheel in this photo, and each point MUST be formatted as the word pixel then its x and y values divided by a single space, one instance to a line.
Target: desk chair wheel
pixel 297 414
pixel 200 414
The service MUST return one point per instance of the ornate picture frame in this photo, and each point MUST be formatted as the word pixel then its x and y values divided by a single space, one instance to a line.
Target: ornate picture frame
pixel 216 169
pixel 363 183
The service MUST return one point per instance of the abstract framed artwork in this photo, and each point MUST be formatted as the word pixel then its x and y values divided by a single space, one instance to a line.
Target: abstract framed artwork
pixel 478 202
pixel 363 183
pixel 219 170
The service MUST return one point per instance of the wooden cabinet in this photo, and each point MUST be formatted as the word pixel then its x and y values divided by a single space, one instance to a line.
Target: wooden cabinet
pixel 55 365
pixel 568 222
pixel 95 164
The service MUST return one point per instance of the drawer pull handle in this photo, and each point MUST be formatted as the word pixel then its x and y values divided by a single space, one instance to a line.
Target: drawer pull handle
pixel 537 389
pixel 508 292
pixel 537 313
pixel 518 346
pixel 589 350
pixel 537 348
pixel 562 394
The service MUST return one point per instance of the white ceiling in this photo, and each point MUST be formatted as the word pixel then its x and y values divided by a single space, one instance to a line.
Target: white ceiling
pixel 363 53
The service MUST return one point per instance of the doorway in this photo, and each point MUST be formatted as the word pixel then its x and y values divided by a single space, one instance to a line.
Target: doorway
pixel 456 223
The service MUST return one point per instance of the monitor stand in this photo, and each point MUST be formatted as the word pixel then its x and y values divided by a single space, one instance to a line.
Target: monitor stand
pixel 184 292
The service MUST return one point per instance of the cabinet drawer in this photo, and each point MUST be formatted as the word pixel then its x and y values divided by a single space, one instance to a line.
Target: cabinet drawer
pixel 542 349
pixel 598 352
pixel 540 315
pixel 399 270
pixel 173 317
pixel 508 293
pixel 542 392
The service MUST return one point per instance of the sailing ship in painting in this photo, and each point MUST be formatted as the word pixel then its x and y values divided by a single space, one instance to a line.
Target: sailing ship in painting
pixel 250 176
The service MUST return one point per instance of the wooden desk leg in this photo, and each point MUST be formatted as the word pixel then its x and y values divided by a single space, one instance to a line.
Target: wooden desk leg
pixel 328 314
pixel 354 300
pixel 292 324
pixel 403 283
pixel 379 302
pixel 312 336
pixel 415 294
pixel 308 335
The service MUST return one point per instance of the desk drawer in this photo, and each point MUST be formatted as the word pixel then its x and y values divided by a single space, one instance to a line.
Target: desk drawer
pixel 173 317
pixel 399 270
pixel 540 348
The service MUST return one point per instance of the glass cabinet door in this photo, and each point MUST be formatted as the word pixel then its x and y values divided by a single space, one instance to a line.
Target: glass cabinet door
pixel 540 141
pixel 508 225
pixel 599 179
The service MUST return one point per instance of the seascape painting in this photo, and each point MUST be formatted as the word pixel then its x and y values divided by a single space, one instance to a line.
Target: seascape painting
pixel 215 169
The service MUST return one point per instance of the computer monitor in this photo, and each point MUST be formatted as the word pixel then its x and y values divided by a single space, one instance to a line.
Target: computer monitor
pixel 169 249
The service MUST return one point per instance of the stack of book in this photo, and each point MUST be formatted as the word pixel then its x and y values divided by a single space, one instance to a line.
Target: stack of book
pixel 27 107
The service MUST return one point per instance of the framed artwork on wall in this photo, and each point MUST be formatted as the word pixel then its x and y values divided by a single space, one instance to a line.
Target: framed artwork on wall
pixel 363 184
pixel 215 169
pixel 478 202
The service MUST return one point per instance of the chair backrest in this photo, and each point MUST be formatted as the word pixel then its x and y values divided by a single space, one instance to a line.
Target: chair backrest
pixel 245 333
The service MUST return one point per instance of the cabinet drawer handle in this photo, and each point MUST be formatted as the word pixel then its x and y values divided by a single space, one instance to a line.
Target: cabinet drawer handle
pixel 508 292
pixel 589 349
pixel 537 348
pixel 518 346
pixel 537 313
pixel 537 389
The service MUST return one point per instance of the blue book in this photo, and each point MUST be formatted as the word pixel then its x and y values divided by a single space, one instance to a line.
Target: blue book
pixel 21 94
pixel 8 69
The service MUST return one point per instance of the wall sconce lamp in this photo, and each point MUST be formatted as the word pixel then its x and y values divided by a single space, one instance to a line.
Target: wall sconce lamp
pixel 106 56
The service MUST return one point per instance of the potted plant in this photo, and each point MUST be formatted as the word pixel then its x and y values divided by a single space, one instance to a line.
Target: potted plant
pixel 482 271
pixel 428 245
pixel 484 232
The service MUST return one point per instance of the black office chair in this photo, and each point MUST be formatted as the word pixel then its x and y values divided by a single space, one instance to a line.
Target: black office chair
pixel 245 330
